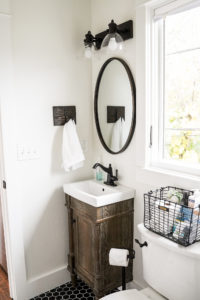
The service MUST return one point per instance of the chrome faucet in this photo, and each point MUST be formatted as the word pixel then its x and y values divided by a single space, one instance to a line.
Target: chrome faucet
pixel 110 177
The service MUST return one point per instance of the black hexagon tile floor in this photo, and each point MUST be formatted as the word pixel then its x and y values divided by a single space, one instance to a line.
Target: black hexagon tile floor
pixel 66 291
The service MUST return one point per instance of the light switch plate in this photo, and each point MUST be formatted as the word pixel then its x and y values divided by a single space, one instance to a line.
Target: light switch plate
pixel 27 152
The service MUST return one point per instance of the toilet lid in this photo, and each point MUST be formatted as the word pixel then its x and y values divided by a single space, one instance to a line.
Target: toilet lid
pixel 126 295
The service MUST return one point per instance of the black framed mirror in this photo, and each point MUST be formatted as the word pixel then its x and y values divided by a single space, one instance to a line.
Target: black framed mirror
pixel 115 105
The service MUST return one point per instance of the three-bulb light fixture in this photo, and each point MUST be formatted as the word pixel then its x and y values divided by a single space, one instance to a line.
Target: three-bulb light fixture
pixel 112 38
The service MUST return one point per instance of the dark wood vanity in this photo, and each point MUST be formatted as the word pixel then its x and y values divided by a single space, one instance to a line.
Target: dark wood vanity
pixel 93 231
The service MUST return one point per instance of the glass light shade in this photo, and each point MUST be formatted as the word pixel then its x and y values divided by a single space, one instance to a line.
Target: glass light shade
pixel 88 52
pixel 112 45
pixel 114 41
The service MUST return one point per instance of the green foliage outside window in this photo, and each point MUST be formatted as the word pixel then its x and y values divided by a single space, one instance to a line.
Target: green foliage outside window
pixel 182 87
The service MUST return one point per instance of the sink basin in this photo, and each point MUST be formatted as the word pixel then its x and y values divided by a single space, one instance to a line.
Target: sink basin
pixel 97 193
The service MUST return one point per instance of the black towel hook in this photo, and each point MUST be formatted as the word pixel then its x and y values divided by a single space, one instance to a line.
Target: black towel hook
pixel 62 114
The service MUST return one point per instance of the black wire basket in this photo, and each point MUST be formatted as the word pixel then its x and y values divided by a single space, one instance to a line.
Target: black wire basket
pixel 174 221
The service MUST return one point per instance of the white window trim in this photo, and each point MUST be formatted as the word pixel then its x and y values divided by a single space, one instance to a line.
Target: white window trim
pixel 174 6
pixel 145 87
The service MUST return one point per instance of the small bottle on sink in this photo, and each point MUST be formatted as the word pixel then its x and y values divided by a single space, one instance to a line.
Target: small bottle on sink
pixel 99 172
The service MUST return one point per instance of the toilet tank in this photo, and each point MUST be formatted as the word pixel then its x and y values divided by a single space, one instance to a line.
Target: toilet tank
pixel 171 269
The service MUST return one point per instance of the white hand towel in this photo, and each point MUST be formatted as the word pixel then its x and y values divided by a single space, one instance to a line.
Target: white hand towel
pixel 116 136
pixel 72 153
pixel 123 133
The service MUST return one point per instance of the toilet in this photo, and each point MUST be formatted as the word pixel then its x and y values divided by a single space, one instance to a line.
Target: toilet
pixel 170 269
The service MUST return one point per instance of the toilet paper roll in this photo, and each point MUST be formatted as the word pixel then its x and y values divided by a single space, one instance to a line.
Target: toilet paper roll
pixel 118 257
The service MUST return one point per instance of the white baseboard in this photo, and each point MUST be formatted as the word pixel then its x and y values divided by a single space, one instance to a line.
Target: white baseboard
pixel 47 281
pixel 135 285
pixel 50 280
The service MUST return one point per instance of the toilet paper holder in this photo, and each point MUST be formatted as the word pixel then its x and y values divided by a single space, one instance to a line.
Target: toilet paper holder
pixel 145 244
pixel 130 256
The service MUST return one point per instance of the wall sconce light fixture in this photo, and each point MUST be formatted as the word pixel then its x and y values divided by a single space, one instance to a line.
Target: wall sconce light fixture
pixel 112 37
pixel 89 43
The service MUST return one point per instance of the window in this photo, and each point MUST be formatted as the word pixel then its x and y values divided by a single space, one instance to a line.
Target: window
pixel 176 86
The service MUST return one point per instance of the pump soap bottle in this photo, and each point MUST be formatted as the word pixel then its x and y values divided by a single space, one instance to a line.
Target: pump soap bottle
pixel 99 173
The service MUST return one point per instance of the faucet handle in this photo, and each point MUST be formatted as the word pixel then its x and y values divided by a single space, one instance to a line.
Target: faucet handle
pixel 115 178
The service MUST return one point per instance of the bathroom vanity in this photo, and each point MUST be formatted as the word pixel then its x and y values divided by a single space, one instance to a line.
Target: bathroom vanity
pixel 93 231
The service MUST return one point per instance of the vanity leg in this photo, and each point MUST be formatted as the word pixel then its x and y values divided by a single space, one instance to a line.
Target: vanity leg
pixel 74 280
pixel 97 287
pixel 71 270
pixel 97 296
pixel 71 256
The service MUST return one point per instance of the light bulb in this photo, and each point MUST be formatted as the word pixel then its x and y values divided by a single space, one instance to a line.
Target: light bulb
pixel 112 45
pixel 120 46
pixel 88 52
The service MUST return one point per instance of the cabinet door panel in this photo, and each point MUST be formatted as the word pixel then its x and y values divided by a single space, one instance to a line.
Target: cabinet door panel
pixel 83 239
pixel 116 233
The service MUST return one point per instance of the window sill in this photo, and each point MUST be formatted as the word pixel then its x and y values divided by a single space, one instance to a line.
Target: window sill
pixel 157 177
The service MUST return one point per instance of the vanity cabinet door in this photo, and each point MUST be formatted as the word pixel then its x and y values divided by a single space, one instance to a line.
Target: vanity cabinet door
pixel 115 233
pixel 83 246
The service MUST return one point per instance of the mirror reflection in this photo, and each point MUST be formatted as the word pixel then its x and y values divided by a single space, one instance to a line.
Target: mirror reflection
pixel 115 105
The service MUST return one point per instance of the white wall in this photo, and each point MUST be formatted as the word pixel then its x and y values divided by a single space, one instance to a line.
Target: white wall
pixel 48 71
pixel 5 6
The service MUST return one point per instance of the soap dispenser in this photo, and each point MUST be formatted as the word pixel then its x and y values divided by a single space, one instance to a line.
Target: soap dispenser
pixel 99 173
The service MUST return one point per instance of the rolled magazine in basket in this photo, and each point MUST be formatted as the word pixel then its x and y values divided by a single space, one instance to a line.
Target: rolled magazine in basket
pixel 162 216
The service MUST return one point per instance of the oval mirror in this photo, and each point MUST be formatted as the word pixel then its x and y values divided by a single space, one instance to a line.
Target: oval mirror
pixel 115 105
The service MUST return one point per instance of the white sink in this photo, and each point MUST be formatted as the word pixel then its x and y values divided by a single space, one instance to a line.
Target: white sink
pixel 97 193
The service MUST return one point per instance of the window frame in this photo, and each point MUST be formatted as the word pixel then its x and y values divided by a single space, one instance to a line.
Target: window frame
pixel 155 126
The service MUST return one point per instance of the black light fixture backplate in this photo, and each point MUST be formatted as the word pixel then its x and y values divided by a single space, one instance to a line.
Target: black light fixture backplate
pixel 125 30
